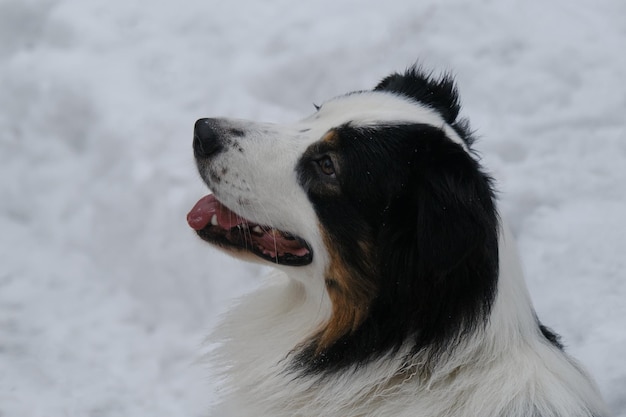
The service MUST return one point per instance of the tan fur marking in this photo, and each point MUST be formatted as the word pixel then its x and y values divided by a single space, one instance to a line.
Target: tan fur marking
pixel 350 294
pixel 330 136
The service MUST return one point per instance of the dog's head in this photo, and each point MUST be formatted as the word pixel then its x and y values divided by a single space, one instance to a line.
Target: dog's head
pixel 378 194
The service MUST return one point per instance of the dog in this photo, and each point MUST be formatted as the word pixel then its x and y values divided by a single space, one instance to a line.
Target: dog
pixel 397 290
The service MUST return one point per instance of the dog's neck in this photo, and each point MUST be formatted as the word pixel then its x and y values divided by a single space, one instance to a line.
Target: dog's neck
pixel 261 336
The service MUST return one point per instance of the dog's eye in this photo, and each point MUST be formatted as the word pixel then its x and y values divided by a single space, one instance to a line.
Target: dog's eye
pixel 326 166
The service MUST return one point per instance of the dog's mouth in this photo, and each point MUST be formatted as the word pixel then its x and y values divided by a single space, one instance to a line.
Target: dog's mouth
pixel 219 225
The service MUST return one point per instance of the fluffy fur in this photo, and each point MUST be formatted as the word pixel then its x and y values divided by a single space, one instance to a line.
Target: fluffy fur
pixel 397 289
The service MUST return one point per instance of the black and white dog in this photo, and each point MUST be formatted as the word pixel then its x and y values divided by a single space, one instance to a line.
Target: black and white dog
pixel 397 289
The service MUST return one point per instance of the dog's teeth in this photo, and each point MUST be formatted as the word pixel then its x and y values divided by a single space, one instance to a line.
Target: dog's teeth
pixel 214 220
pixel 257 229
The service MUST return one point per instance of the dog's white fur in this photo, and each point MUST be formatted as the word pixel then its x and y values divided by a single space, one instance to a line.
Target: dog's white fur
pixel 506 369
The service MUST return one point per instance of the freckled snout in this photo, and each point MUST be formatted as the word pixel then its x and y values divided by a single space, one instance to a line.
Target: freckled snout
pixel 207 139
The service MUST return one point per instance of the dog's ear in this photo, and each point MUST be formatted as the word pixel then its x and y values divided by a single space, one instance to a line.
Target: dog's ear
pixel 438 249
pixel 439 93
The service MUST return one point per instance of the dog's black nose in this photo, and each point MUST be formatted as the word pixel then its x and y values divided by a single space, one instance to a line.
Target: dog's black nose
pixel 206 138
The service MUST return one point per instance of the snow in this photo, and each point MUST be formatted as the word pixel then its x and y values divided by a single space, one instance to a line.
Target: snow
pixel 106 294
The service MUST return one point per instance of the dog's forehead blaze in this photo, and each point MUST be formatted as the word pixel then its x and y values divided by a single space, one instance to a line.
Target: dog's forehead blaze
pixel 350 293
pixel 373 108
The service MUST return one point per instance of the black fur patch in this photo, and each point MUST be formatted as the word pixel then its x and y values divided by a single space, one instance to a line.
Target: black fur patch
pixel 427 210
pixel 552 337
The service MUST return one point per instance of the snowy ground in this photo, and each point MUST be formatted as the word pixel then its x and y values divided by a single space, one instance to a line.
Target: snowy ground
pixel 105 293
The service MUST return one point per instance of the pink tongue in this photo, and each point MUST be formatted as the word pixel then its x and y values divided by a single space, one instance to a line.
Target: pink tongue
pixel 272 242
pixel 277 244
pixel 201 214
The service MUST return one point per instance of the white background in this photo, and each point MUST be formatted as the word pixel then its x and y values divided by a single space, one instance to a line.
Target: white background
pixel 105 292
